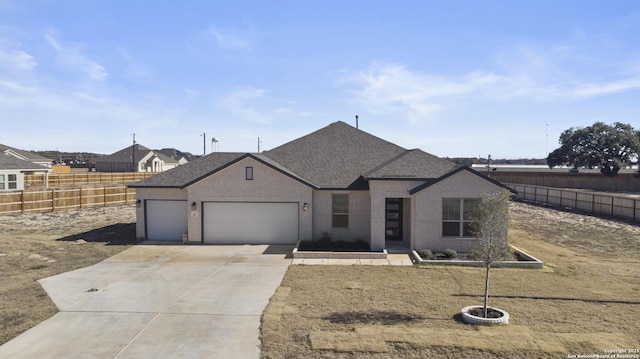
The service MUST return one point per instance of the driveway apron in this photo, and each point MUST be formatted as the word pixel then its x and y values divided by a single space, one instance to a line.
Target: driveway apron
pixel 159 301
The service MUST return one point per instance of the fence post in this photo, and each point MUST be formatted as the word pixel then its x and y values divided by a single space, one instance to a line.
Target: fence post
pixel 612 206
pixel 53 200
pixel 22 200
pixel 104 195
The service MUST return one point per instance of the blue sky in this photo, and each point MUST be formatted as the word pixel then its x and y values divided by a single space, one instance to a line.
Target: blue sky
pixel 454 78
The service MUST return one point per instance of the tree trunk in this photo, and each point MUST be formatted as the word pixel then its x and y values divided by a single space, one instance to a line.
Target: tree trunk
pixel 486 291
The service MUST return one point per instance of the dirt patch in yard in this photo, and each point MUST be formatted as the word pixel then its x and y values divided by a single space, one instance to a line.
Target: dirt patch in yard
pixel 39 245
pixel 585 300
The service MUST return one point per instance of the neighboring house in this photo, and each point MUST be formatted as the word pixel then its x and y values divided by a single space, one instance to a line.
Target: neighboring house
pixel 25 155
pixel 338 181
pixel 137 158
pixel 12 171
pixel 180 157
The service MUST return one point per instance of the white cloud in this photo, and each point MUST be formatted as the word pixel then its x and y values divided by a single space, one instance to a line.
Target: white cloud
pixel 228 39
pixel 17 60
pixel 70 55
pixel 253 104
pixel 393 89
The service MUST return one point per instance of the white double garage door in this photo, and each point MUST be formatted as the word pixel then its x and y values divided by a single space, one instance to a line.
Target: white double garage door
pixel 226 222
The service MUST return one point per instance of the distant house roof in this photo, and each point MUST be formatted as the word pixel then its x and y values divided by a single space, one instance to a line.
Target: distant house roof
pixel 338 156
pixel 22 154
pixel 175 154
pixel 125 155
pixel 8 162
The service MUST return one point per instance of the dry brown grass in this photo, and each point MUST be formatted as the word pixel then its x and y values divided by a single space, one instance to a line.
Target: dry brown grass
pixel 35 246
pixel 586 300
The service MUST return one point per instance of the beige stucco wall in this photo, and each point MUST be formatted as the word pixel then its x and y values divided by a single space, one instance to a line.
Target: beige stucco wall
pixel 143 194
pixel 268 185
pixel 427 210
pixel 379 191
pixel 359 216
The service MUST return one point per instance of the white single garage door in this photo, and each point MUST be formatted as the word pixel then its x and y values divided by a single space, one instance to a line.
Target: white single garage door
pixel 166 220
pixel 250 223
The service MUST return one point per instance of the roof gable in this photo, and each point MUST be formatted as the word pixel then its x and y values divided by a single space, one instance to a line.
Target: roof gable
pixel 335 156
pixel 196 170
pixel 8 162
pixel 456 171
pixel 412 164
pixel 22 154
pixel 126 154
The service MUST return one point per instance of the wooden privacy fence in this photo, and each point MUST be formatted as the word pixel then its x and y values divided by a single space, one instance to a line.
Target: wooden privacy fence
pixel 619 206
pixel 58 199
pixel 62 179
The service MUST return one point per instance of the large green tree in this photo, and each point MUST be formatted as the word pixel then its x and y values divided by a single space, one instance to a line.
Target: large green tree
pixel 607 147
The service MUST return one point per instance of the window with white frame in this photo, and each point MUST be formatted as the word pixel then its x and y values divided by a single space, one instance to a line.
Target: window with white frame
pixel 8 181
pixel 456 216
pixel 340 210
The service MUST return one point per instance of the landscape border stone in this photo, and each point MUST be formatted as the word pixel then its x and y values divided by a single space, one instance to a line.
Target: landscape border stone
pixel 530 262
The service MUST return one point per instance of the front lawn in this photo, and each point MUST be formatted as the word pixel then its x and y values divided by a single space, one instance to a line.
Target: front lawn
pixel 585 300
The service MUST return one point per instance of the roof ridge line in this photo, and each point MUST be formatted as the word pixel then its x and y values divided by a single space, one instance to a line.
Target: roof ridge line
pixel 388 162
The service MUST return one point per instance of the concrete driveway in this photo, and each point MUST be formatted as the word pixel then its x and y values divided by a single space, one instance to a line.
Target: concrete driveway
pixel 159 301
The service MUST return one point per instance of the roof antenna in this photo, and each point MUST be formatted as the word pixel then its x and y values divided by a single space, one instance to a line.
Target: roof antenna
pixel 356 121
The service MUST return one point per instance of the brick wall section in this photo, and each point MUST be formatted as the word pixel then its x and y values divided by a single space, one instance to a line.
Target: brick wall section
pixel 427 208
pixel 268 185
pixel 359 216
pixel 380 190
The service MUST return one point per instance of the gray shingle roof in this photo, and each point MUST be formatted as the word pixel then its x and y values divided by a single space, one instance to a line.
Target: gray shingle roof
pixel 174 154
pixel 191 172
pixel 336 156
pixel 194 171
pixel 8 162
pixel 412 164
pixel 124 155
pixel 27 155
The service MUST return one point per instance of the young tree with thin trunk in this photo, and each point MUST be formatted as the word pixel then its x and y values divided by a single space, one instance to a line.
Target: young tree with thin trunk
pixel 490 221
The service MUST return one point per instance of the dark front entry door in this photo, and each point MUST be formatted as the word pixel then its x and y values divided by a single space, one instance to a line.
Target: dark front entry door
pixel 393 219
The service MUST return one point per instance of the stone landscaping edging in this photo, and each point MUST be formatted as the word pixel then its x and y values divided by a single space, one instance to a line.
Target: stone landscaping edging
pixel 338 255
pixel 472 319
pixel 531 262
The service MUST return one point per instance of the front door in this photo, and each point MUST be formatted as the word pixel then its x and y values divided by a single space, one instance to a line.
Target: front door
pixel 393 219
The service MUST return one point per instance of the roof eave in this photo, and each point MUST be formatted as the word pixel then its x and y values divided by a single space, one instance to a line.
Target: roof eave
pixel 456 171
pixel 248 155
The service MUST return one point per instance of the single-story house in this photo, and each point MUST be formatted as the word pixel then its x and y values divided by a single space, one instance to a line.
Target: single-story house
pixel 338 181
pixel 138 158
pixel 25 155
pixel 12 171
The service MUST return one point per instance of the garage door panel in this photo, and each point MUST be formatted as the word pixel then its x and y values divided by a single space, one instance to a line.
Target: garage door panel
pixel 250 223
pixel 166 220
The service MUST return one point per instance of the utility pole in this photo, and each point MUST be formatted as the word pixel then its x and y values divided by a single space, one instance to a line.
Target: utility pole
pixel 204 143
pixel 546 145
pixel 488 165
pixel 133 154
pixel 259 144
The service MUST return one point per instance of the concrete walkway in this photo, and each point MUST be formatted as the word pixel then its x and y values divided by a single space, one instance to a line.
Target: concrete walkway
pixel 159 301
pixel 393 259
